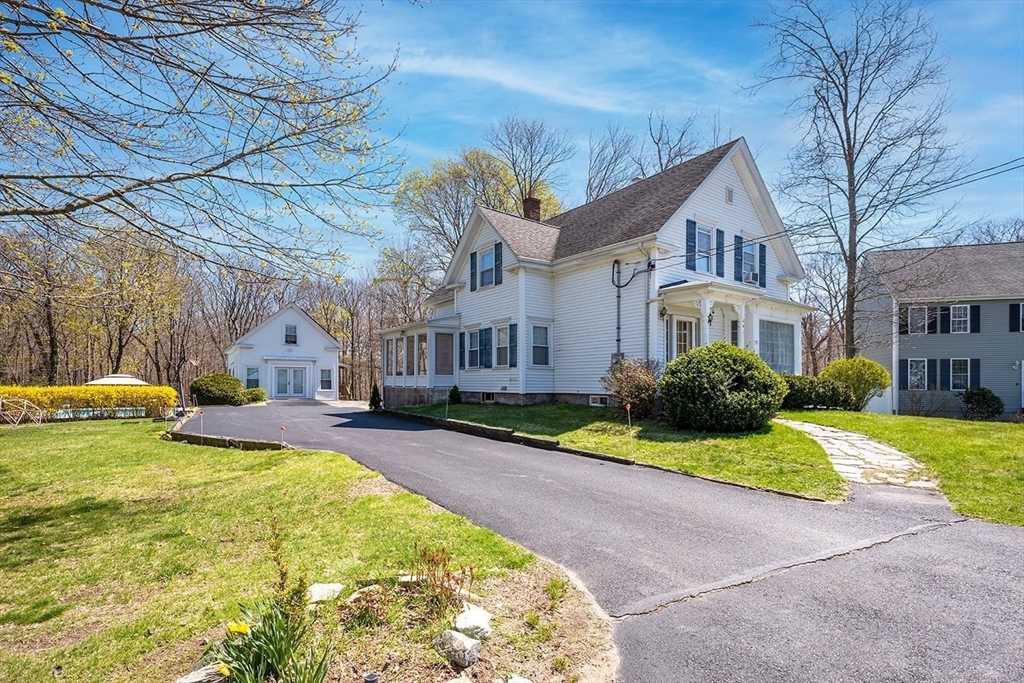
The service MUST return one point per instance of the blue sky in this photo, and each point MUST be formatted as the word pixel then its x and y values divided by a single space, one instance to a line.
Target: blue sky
pixel 580 65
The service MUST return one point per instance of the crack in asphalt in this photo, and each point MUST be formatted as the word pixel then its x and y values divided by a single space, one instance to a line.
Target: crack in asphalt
pixel 658 603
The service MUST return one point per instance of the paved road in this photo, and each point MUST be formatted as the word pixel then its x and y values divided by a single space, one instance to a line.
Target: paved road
pixel 709 582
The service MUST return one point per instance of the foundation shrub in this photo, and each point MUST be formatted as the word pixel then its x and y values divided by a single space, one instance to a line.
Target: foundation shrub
pixel 865 378
pixel 721 388
pixel 633 381
pixel 981 404
pixel 217 389
pixel 256 395
pixel 816 393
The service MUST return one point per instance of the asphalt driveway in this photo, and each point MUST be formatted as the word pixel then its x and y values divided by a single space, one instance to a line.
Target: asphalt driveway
pixel 709 582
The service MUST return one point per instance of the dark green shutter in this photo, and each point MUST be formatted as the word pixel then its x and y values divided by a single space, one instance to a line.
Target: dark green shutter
pixel 762 265
pixel 1014 317
pixel 975 319
pixel 472 272
pixel 904 374
pixel 932 313
pixel 513 345
pixel 497 263
pixel 943 319
pixel 737 258
pixel 720 253
pixel 975 373
pixel 904 321
pixel 462 350
pixel 931 382
pixel 691 244
pixel 945 375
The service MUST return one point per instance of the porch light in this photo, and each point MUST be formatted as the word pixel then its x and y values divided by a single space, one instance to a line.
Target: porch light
pixel 663 312
pixel 711 316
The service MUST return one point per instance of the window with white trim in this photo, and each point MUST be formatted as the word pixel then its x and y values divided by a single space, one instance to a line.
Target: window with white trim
pixel 777 346
pixel 501 346
pixel 389 359
pixel 749 259
pixel 421 354
pixel 959 374
pixel 959 319
pixel 410 355
pixel 399 355
pixel 473 361
pixel 917 320
pixel 487 267
pixel 291 334
pixel 541 343
pixel 252 378
pixel 326 381
pixel 917 374
pixel 704 248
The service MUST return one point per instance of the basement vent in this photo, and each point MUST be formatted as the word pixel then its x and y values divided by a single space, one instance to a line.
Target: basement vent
pixel 599 401
pixel 487 397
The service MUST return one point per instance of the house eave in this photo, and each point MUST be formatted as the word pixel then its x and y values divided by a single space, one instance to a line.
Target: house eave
pixel 684 292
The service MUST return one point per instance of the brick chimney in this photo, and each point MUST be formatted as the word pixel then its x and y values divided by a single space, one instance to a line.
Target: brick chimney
pixel 531 208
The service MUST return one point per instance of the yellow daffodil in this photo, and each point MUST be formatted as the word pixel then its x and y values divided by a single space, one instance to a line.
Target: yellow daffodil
pixel 223 670
pixel 238 627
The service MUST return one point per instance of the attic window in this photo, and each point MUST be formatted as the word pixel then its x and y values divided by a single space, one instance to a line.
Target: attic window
pixel 728 195
pixel 291 334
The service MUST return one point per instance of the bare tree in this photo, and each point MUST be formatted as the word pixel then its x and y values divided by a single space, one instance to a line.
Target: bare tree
pixel 993 232
pixel 611 165
pixel 532 151
pixel 667 144
pixel 235 125
pixel 870 93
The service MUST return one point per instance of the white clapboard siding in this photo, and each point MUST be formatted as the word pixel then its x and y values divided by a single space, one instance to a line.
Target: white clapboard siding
pixel 709 207
pixel 485 308
pixel 539 308
pixel 584 329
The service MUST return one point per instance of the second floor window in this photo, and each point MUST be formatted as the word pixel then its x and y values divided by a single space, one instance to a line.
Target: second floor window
pixel 749 260
pixel 704 249
pixel 487 268
pixel 960 319
pixel 291 334
pixel 918 320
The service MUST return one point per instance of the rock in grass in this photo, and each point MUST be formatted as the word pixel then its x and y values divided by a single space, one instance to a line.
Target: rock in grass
pixel 208 674
pixel 474 622
pixel 459 649
pixel 322 592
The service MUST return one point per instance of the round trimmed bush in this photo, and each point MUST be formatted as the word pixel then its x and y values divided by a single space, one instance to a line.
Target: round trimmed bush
pixel 721 388
pixel 865 378
pixel 256 395
pixel 981 403
pixel 217 389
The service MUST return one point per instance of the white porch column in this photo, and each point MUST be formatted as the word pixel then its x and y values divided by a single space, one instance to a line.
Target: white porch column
pixel 705 306
pixel 741 325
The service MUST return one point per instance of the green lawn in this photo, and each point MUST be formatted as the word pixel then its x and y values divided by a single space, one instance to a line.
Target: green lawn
pixel 119 551
pixel 779 458
pixel 979 465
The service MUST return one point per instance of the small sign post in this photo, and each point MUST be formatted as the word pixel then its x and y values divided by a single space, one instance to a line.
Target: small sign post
pixel 202 432
pixel 629 419
pixel 282 437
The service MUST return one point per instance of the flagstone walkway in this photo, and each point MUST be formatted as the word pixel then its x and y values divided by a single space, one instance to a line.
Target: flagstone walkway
pixel 859 459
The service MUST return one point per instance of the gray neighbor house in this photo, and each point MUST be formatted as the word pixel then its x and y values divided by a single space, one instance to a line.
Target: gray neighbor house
pixel 943 319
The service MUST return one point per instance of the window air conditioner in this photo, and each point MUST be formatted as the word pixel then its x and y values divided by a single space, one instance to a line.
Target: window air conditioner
pixel 752 278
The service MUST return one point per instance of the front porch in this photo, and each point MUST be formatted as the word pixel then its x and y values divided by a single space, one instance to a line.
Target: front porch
pixel 419 362
pixel 691 314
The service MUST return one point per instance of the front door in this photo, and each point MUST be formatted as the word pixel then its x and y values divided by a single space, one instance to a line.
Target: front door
pixel 290 382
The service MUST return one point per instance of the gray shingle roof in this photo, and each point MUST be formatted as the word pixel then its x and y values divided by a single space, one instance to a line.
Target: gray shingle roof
pixel 636 210
pixel 528 239
pixel 949 273
pixel 630 213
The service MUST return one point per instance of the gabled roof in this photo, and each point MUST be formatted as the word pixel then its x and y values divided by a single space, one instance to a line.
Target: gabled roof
pixel 290 307
pixel 634 211
pixel 526 238
pixel 974 271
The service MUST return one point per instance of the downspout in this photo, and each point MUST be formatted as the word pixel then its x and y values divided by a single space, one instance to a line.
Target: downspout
pixel 647 305
pixel 617 281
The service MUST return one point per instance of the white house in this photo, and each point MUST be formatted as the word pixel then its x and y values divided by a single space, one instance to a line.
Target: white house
pixel 289 354
pixel 533 311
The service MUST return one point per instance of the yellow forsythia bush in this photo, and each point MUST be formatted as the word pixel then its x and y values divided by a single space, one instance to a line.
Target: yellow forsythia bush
pixel 101 399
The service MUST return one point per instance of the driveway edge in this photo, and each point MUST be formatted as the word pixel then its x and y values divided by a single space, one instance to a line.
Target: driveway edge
pixel 509 435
